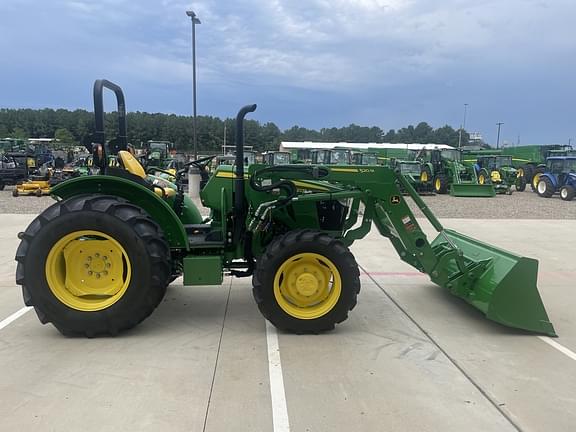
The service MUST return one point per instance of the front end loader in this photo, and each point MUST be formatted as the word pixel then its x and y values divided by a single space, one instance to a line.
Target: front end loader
pixel 99 260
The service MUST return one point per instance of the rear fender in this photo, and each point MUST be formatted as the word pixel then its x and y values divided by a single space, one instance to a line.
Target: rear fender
pixel 550 177
pixel 133 192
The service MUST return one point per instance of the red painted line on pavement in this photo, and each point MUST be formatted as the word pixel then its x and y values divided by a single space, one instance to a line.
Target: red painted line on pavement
pixel 393 274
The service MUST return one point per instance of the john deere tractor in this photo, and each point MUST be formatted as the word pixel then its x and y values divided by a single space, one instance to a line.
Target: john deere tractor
pixel 444 168
pixel 156 153
pixel 98 261
pixel 413 173
pixel 498 171
pixel 332 156
pixel 277 157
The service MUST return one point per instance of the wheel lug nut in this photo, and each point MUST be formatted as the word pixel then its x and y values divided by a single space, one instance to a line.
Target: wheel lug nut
pixel 87 265
pixel 90 273
pixel 105 273
pixel 89 258
pixel 96 254
pixel 107 265
pixel 97 275
pixel 104 257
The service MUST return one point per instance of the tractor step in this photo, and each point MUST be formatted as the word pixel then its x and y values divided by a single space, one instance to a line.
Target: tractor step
pixel 202 235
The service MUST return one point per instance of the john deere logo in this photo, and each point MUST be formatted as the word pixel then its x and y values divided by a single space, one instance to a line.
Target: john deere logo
pixel 395 199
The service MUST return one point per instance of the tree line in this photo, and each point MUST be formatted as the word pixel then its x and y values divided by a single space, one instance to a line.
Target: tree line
pixel 77 127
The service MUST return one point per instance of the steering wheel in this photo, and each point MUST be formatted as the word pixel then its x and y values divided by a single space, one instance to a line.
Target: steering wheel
pixel 200 163
pixel 152 170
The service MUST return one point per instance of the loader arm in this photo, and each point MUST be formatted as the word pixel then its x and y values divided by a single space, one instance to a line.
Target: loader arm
pixel 500 284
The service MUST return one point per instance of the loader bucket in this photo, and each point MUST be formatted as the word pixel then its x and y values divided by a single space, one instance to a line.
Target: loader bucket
pixel 472 190
pixel 499 283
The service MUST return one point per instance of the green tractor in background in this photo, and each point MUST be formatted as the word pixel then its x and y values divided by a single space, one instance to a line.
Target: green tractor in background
pixel 277 158
pixel 156 153
pixel 364 158
pixel 339 156
pixel 498 171
pixel 99 260
pixel 444 168
pixel 412 171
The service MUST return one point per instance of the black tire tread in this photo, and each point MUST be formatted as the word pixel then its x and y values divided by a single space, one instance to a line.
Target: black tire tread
pixel 156 246
pixel 549 188
pixel 275 248
pixel 571 192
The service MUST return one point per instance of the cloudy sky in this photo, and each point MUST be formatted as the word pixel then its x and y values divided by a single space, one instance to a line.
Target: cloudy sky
pixel 315 63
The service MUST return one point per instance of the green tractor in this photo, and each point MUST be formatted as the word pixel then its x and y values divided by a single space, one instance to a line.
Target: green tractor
pixel 444 168
pixel 277 158
pixel 157 153
pixel 412 171
pixel 331 156
pixel 498 171
pixel 364 158
pixel 99 260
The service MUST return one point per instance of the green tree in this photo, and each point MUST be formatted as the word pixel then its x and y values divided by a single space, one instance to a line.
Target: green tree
pixel 64 136
pixel 19 133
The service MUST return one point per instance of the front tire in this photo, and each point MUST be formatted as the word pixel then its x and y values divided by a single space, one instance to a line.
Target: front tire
pixel 567 193
pixel 93 265
pixel 484 177
pixel 520 184
pixel 440 184
pixel 306 282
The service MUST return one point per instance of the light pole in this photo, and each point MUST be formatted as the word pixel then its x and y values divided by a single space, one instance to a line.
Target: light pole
pixel 498 139
pixel 462 127
pixel 195 21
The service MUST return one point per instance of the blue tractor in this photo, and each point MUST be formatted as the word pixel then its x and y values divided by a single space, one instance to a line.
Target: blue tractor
pixel 560 176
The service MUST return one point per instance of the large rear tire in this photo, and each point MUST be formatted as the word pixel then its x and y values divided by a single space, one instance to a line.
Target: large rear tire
pixel 93 265
pixel 306 282
pixel 538 171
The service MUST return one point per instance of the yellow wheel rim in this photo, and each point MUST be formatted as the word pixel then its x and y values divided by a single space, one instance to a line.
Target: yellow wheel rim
pixel 481 179
pixel 437 184
pixel 536 179
pixel 307 286
pixel 88 270
pixel 424 176
pixel 520 172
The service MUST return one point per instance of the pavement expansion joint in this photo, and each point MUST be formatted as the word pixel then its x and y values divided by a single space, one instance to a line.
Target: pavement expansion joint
pixel 217 356
pixel 452 360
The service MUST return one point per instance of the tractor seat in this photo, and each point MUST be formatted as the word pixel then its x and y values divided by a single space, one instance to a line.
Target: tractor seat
pixel 134 167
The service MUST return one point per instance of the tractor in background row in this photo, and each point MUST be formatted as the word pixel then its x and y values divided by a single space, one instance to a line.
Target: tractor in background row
pixel 276 158
pixel 99 260
pixel 498 171
pixel 530 160
pixel 559 176
pixel 444 168
pixel 156 153
pixel 364 158
pixel 331 156
pixel 412 171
